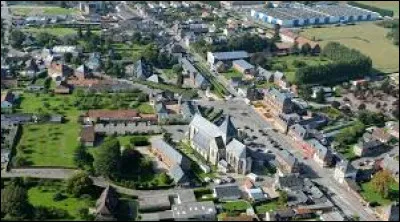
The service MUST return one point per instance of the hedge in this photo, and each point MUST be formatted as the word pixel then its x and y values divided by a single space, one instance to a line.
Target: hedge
pixel 383 12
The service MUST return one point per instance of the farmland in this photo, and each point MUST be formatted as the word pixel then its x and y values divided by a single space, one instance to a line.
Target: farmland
pixel 368 38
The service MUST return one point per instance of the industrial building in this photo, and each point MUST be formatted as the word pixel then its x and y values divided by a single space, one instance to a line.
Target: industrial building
pixel 300 15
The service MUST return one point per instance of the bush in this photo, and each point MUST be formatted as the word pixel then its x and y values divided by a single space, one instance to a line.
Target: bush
pixel 59 197
pixel 140 141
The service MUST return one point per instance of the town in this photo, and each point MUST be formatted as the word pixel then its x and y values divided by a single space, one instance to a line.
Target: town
pixel 200 110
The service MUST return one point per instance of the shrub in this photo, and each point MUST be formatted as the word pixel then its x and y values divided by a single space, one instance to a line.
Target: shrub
pixel 59 197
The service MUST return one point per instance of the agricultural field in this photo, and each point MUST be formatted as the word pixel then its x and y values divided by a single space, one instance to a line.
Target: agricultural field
pixel 41 10
pixel 390 5
pixel 368 38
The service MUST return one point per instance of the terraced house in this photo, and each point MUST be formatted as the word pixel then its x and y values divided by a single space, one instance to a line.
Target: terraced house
pixel 219 143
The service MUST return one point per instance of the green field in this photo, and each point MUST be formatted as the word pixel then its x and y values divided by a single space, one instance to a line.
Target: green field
pixel 285 64
pixel 145 108
pixel 236 206
pixel 49 144
pixel 43 196
pixel 370 195
pixel 133 52
pixel 368 38
pixel 390 5
pixel 41 10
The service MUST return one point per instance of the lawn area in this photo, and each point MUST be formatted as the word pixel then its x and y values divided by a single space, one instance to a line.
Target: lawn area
pixel 145 108
pixel 368 38
pixel 370 195
pixel 169 73
pixel 232 73
pixel 138 140
pixel 267 207
pixel 43 196
pixel 42 10
pixel 236 206
pixel 286 64
pixel 49 144
pixel 390 5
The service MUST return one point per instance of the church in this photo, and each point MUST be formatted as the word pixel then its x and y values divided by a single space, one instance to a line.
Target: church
pixel 219 145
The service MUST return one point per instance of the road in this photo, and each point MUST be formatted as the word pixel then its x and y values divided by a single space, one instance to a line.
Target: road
pixel 5 14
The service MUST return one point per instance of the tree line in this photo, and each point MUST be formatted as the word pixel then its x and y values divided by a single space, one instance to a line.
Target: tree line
pixel 346 64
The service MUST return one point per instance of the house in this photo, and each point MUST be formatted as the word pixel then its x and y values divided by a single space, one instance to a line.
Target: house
pixel 288 182
pixel 225 57
pixel 227 192
pixel 106 205
pixel 299 132
pixel 216 143
pixel 390 163
pixel 328 92
pixel 31 69
pixel 93 116
pixel 140 70
pixel 283 49
pixel 344 170
pixel 88 136
pixel 7 101
pixel 161 110
pixel 322 155
pixel 58 71
pixel 175 161
pixel 94 61
pixel 196 78
pixel 393 129
pixel 280 80
pixel 62 89
pixel 280 215
pixel 189 109
pixel 332 216
pixel 194 211
pixel 62 49
pixel 278 102
pixel 286 163
pixel 382 135
pixel 243 67
pixel 365 148
pixel 391 212
pixel 82 72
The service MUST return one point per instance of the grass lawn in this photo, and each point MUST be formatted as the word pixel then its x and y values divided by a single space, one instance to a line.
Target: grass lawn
pixel 267 207
pixel 42 10
pixel 126 140
pixel 232 73
pixel 290 70
pixel 145 108
pixel 43 196
pixel 236 206
pixel 368 38
pixel 49 144
pixel 390 5
pixel 169 73
pixel 370 195
pixel 53 31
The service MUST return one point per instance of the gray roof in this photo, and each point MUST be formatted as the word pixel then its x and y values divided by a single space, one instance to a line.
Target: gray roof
pixel 300 130
pixel 290 182
pixel 188 66
pixel 265 73
pixel 205 126
pixel 230 55
pixel 189 110
pixel 167 150
pixel 229 130
pixel 193 210
pixel 201 81
pixel 161 108
pixel 154 78
pixel 228 192
pixel 321 150
pixel 177 174
pixel 280 96
pixel 369 145
pixel 243 64
pixel 287 157
pixel 237 148
pixel 142 70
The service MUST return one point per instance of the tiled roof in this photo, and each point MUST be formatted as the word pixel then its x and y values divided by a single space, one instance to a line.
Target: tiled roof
pixel 88 134
pixel 167 150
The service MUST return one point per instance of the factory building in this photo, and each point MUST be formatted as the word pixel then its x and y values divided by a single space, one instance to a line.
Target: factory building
pixel 300 15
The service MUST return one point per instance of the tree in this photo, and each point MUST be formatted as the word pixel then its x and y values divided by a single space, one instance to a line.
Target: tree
pixel 295 48
pixel 108 158
pixel 258 59
pixel 283 198
pixel 77 60
pixel 14 202
pixel 177 68
pixel 79 184
pixel 306 49
pixel 164 179
pixel 306 92
pixel 82 157
pixel 381 183
pixel 335 104
pixel 88 32
pixel 68 57
pixel 150 53
pixel 320 96
pixel 362 106
pixel 80 34
pixel 276 36
pixel 16 38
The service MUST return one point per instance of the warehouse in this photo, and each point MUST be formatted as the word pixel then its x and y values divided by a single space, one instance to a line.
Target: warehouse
pixel 226 57
pixel 300 15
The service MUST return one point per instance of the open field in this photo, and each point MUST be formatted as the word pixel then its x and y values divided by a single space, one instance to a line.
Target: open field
pixel 390 5
pixel 53 31
pixel 41 10
pixel 134 51
pixel 368 38
pixel 49 144
pixel 267 207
